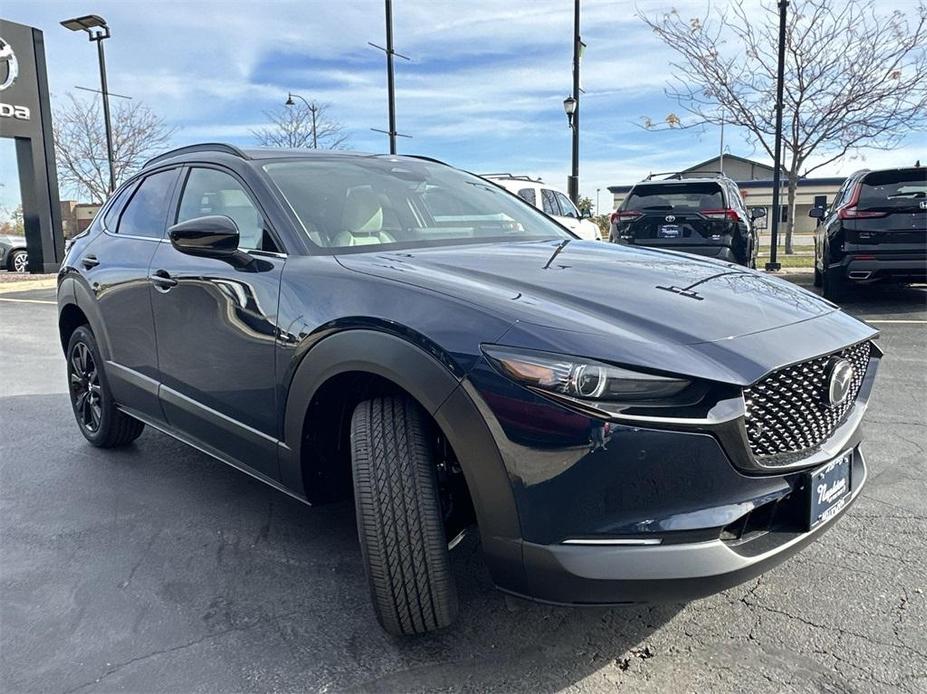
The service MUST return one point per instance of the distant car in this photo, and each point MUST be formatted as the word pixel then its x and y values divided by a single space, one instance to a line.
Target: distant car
pixel 705 216
pixel 554 203
pixel 13 256
pixel 875 230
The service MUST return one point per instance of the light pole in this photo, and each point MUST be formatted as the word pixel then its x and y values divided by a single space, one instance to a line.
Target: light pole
pixel 313 109
pixel 97 30
pixel 597 210
pixel 571 107
pixel 773 264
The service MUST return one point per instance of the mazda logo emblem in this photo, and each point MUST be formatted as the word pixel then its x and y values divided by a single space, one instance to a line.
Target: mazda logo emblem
pixel 8 61
pixel 839 379
pixel 670 218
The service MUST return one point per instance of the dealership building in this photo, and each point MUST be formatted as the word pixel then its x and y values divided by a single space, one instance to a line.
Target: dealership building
pixel 755 181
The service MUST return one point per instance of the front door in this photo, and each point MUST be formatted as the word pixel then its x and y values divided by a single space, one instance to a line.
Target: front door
pixel 216 326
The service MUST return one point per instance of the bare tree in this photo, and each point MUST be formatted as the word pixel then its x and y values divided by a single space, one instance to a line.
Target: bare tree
pixel 302 126
pixel 80 143
pixel 853 77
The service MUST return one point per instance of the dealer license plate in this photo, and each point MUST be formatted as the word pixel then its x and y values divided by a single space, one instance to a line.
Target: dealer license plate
pixel 669 231
pixel 830 488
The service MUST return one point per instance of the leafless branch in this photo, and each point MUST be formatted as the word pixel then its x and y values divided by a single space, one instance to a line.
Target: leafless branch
pixel 854 77
pixel 291 127
pixel 80 142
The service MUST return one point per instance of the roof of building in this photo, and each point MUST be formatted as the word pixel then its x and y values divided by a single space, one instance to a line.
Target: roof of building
pixel 735 158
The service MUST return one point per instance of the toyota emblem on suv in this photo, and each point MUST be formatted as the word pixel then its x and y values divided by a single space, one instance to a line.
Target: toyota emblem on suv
pixel 838 382
pixel 670 218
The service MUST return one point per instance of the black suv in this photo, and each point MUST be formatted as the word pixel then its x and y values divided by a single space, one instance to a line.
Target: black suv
pixel 702 215
pixel 621 424
pixel 875 230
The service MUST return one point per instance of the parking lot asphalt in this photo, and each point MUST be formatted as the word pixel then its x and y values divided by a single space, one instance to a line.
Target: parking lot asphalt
pixel 156 568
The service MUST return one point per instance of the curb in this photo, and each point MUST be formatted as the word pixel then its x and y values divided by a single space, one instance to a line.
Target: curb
pixel 26 285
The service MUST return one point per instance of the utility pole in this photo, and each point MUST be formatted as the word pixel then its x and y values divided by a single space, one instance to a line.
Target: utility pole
pixel 773 265
pixel 390 79
pixel 721 156
pixel 577 50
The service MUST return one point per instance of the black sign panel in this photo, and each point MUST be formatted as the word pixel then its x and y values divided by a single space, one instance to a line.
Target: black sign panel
pixel 25 115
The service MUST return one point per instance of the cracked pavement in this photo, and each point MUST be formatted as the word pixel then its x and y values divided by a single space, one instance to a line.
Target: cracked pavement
pixel 155 568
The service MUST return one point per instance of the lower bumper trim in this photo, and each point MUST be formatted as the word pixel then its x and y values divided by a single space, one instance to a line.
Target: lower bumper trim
pixel 575 574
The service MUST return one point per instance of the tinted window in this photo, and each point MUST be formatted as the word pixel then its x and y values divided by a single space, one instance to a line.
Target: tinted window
pixel 213 192
pixel 528 195
pixel 147 210
pixel 893 189
pixel 111 217
pixel 550 202
pixel 566 206
pixel 378 202
pixel 675 196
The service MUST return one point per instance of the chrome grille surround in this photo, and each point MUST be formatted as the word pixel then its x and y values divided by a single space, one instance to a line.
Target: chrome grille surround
pixel 787 413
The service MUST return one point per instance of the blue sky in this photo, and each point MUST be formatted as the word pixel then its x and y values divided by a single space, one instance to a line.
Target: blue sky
pixel 483 90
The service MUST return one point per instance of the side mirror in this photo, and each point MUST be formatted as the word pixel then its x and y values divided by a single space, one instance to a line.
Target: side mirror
pixel 213 236
pixel 816 212
pixel 757 212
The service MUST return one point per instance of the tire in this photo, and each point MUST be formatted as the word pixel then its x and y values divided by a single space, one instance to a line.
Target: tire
pixel 399 518
pixel 833 286
pixel 18 261
pixel 98 419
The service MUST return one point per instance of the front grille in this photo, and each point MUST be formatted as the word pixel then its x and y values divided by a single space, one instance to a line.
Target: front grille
pixel 788 413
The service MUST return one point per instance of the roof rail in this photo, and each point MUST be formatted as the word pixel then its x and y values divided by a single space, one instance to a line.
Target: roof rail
pixel 511 177
pixel 205 147
pixel 680 174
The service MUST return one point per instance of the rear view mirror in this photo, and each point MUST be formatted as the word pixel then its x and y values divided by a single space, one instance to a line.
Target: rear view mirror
pixel 213 236
pixel 816 212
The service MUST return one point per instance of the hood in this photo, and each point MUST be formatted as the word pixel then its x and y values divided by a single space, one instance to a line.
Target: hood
pixel 593 287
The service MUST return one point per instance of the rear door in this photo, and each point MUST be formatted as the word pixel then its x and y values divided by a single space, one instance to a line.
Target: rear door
pixel 115 265
pixel 689 216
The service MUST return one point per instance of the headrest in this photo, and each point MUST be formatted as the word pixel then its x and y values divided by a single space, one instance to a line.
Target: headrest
pixel 362 211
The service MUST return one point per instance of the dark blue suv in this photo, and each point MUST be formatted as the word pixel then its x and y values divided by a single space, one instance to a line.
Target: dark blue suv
pixel 621 424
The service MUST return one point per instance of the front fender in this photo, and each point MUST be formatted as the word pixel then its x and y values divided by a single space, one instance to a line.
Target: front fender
pixel 436 389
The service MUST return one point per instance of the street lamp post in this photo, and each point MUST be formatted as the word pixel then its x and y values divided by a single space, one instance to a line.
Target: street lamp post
pixel 313 109
pixel 97 30
pixel 571 106
pixel 773 264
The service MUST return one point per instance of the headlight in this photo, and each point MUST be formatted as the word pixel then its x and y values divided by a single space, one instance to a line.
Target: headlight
pixel 584 379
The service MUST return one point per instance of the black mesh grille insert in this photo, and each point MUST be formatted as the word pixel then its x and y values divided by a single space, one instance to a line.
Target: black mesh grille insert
pixel 788 411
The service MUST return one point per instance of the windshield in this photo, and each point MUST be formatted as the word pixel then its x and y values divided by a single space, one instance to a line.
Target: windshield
pixel 369 203
pixel 893 189
pixel 675 197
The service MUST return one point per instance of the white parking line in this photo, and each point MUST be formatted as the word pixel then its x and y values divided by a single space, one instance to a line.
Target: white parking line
pixel 28 301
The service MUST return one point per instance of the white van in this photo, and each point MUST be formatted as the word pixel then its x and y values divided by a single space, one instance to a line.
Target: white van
pixel 551 201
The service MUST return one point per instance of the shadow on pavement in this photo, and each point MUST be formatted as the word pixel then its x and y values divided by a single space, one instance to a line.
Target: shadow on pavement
pixel 157 564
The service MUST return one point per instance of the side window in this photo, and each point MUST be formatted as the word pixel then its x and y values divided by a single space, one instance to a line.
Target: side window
pixel 111 218
pixel 528 195
pixel 549 201
pixel 147 210
pixel 209 192
pixel 566 206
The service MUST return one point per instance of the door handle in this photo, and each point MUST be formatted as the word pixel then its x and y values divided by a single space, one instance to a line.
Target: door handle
pixel 162 280
pixel 89 261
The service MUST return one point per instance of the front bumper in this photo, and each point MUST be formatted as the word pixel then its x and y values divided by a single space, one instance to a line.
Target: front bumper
pixel 599 575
